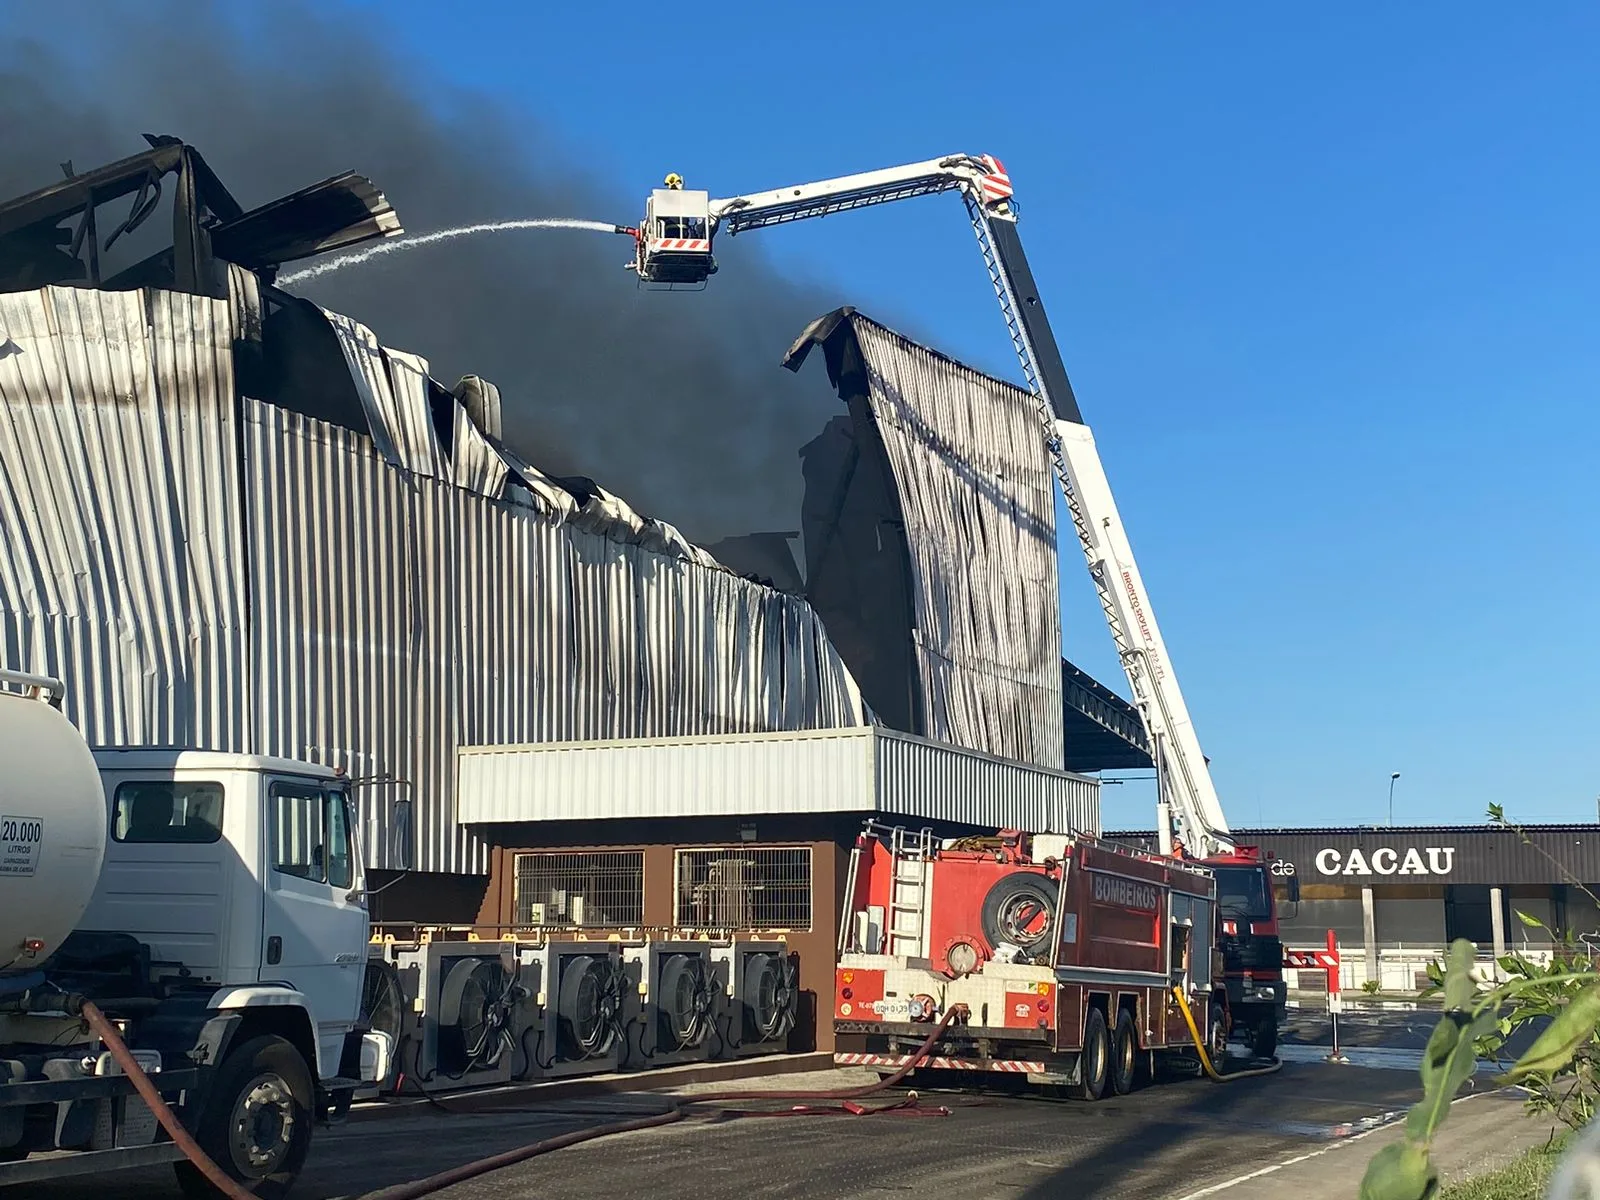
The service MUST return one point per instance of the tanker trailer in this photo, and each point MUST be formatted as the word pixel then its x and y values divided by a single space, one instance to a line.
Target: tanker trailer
pixel 205 910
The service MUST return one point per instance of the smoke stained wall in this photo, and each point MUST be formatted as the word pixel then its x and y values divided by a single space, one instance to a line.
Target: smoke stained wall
pixel 675 402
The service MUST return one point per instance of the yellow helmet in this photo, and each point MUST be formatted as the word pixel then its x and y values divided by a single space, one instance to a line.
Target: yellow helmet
pixel 674 180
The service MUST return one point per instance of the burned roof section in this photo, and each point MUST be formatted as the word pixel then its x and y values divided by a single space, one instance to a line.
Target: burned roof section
pixel 930 542
pixel 65 233
pixel 930 539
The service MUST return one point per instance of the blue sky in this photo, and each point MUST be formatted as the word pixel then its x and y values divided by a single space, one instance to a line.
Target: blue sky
pixel 1326 282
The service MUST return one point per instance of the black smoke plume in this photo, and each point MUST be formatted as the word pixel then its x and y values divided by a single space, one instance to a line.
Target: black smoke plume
pixel 675 402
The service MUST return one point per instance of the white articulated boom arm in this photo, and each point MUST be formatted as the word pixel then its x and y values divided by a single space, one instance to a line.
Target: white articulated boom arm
pixel 675 247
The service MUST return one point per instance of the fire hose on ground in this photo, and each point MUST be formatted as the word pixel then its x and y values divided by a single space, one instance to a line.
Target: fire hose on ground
pixel 107 1033
pixel 846 1097
pixel 679 1111
pixel 1205 1059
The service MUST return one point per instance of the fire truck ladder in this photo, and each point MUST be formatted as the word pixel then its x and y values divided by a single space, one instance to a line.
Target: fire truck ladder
pixel 905 929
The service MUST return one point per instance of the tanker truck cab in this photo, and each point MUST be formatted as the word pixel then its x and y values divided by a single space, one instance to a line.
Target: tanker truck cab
pixel 239 873
pixel 225 935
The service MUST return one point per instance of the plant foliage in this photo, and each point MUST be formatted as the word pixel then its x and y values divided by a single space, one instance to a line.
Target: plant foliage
pixel 1560 1070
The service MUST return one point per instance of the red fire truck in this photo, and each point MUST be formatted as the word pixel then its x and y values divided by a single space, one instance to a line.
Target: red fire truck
pixel 1062 952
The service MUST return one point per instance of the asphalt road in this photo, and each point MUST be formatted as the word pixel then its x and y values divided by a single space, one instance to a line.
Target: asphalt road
pixel 1162 1143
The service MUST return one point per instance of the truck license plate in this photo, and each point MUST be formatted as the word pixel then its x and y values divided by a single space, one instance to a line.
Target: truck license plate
pixel 892 1010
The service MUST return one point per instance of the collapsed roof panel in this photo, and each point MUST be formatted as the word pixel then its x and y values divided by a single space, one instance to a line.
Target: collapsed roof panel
pixel 930 537
pixel 335 214
pixel 941 479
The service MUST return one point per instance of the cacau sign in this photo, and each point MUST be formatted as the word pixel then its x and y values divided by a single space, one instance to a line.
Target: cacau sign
pixel 1387 860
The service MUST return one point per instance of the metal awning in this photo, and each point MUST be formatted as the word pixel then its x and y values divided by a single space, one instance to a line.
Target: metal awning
pixel 860 770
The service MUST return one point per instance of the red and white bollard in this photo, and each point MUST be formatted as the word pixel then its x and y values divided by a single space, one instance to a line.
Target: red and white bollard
pixel 1329 960
pixel 1326 961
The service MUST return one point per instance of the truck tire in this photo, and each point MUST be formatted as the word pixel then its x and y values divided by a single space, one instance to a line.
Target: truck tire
pixel 1264 1032
pixel 1217 1034
pixel 1021 909
pixel 1124 1055
pixel 1094 1064
pixel 256 1124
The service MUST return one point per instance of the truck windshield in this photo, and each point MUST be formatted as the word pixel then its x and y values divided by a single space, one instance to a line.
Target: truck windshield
pixel 1242 892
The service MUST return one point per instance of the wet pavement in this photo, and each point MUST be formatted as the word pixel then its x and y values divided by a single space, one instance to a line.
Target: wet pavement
pixel 1160 1143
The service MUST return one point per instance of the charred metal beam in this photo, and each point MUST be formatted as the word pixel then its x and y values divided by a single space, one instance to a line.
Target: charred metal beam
pixel 207 223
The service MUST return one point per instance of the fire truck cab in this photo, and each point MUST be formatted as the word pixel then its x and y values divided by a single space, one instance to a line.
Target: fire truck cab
pixel 1061 953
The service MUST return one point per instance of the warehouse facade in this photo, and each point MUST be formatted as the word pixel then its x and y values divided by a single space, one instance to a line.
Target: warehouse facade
pixel 1395 897
pixel 239 522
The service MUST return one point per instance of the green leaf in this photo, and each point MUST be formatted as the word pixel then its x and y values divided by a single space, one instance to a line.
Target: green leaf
pixel 1513 965
pixel 1459 986
pixel 1401 1171
pixel 1448 1061
pixel 1484 1023
pixel 1497 813
pixel 1570 1029
pixel 1528 919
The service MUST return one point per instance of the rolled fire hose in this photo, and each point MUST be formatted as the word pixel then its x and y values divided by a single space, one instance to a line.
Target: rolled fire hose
pixel 1205 1059
pixel 107 1033
pixel 436 1183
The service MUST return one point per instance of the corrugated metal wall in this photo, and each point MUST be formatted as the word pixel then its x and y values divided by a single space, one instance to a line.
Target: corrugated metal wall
pixel 120 563
pixel 969 462
pixel 969 481
pixel 335 596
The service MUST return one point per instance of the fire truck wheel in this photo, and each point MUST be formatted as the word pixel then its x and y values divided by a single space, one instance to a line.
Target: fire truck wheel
pixel 1264 1034
pixel 1217 1039
pixel 1021 909
pixel 1124 1055
pixel 1094 1064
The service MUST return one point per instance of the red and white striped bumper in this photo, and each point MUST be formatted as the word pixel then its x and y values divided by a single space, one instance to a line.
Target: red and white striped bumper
pixel 1012 1065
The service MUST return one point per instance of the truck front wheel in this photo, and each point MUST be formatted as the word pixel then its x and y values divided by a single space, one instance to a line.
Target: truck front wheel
pixel 256 1124
pixel 1263 1032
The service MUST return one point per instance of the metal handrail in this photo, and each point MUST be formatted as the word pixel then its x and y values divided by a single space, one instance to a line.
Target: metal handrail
pixel 41 687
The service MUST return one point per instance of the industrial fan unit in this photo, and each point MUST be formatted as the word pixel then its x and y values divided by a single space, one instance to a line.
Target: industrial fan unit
pixel 385 1009
pixel 578 989
pixel 757 985
pixel 673 1003
pixel 471 1013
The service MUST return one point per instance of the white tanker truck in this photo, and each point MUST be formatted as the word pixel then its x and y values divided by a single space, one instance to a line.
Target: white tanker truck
pixel 211 906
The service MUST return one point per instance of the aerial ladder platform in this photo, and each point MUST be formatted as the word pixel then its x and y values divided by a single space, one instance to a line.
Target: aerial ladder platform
pixel 674 247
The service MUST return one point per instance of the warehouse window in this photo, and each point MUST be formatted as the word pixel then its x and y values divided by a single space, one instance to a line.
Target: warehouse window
pixel 742 887
pixel 601 889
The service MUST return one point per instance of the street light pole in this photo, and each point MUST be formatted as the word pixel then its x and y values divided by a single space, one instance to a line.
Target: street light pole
pixel 1392 779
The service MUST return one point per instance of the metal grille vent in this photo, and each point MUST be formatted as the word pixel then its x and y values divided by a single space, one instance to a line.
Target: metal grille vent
pixel 580 889
pixel 744 887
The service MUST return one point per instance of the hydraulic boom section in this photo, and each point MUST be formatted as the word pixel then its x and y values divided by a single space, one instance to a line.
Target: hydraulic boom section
pixel 674 246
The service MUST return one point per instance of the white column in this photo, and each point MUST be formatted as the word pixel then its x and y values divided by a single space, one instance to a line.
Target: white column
pixel 1497 925
pixel 1369 932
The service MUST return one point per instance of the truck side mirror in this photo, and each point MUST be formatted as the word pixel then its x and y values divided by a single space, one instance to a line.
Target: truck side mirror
pixel 1292 891
pixel 400 839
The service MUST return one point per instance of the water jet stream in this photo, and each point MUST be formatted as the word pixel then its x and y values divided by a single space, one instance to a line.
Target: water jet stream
pixel 444 235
